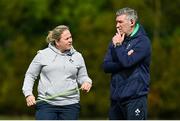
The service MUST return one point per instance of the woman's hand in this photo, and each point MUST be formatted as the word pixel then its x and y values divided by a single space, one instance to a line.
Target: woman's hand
pixel 30 100
pixel 86 86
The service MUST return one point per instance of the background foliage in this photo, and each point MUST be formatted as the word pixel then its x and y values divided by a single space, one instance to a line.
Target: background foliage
pixel 24 25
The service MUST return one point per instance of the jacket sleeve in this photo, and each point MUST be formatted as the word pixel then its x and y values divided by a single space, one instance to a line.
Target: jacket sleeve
pixel 141 50
pixel 109 63
pixel 31 75
pixel 82 75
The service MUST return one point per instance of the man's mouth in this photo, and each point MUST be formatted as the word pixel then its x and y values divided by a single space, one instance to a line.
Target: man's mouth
pixel 119 29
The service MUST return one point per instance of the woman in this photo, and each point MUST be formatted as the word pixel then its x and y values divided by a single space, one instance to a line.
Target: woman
pixel 61 70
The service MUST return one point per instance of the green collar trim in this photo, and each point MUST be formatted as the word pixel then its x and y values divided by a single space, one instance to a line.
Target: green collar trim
pixel 135 30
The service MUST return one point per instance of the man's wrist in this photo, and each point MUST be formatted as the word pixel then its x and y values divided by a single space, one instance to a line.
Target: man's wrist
pixel 117 44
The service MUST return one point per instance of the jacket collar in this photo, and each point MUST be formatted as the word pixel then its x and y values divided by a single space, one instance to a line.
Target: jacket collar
pixel 139 32
pixel 68 52
pixel 135 30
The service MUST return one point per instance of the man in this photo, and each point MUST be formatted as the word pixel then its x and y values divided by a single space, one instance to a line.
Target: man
pixel 128 60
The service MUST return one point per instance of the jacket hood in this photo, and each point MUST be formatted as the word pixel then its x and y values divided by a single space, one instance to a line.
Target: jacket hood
pixel 68 52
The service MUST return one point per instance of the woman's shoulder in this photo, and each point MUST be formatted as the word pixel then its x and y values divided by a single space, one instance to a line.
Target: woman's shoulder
pixel 77 54
pixel 46 53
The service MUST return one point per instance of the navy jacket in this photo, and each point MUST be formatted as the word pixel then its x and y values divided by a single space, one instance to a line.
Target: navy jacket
pixel 130 73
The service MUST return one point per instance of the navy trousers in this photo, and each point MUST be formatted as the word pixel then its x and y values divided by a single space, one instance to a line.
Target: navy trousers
pixel 45 111
pixel 135 109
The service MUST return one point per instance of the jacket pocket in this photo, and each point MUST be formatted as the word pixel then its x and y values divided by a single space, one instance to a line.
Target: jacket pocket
pixel 130 87
pixel 116 82
pixel 63 89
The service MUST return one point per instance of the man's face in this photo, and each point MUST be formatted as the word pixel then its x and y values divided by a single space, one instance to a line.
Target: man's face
pixel 65 42
pixel 123 24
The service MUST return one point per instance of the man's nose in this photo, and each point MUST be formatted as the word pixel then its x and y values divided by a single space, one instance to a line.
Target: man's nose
pixel 70 40
pixel 117 25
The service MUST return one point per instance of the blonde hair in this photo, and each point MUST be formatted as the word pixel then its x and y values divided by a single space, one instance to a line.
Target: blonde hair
pixel 55 34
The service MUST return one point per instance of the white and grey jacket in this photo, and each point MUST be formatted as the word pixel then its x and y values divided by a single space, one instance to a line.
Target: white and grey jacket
pixel 59 72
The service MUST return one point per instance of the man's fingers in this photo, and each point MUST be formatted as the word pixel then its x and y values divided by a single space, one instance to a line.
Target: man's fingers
pixel 118 31
pixel 122 35
pixel 130 52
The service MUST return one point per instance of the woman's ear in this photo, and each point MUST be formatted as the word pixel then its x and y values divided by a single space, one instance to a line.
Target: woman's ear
pixel 56 42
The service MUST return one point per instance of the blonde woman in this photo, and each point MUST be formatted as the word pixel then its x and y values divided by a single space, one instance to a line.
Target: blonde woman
pixel 61 69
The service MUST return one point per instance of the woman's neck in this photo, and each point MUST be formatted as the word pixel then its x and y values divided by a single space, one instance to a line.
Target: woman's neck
pixel 61 50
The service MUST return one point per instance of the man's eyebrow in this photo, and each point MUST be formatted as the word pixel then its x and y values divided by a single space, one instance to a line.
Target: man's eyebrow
pixel 118 21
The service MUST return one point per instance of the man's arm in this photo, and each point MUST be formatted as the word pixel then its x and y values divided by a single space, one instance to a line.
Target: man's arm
pixel 109 65
pixel 141 50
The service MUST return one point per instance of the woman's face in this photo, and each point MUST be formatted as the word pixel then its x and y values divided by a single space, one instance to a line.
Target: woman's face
pixel 65 41
pixel 123 24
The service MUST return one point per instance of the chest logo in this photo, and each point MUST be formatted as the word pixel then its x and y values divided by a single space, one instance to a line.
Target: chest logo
pixel 137 111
